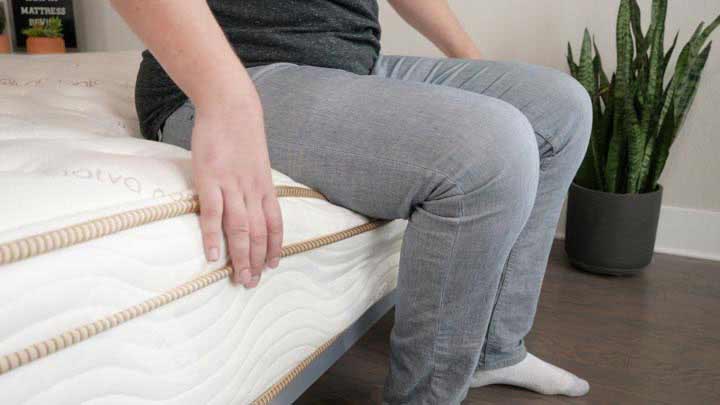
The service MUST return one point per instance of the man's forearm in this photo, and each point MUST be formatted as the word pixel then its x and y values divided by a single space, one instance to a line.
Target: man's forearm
pixel 190 45
pixel 437 22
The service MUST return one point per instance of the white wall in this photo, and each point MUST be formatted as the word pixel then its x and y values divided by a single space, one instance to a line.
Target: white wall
pixel 537 32
pixel 100 28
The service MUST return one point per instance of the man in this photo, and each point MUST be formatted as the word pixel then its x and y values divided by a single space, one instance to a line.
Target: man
pixel 477 155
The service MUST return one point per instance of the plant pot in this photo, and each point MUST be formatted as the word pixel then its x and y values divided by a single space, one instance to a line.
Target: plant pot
pixel 41 45
pixel 609 233
pixel 4 43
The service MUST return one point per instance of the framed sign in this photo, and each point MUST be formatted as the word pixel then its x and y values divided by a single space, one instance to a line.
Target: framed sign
pixel 31 12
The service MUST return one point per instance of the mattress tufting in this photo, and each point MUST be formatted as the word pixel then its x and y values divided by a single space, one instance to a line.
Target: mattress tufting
pixel 98 233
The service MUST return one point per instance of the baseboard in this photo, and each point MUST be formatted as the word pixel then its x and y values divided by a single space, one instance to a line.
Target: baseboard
pixel 682 232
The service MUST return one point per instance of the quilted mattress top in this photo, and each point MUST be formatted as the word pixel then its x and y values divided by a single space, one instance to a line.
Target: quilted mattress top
pixel 98 228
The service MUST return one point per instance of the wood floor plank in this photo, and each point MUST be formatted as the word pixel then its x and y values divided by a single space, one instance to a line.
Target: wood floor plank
pixel 650 339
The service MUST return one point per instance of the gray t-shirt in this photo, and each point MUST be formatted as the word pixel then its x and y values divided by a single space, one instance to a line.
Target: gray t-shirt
pixel 340 34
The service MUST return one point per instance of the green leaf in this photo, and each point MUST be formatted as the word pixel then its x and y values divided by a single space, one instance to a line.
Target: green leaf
pixel 685 61
pixel 617 151
pixel 605 132
pixel 571 62
pixel 679 77
pixel 673 119
pixel 694 44
pixel 651 89
pixel 586 71
pixel 687 55
pixel 703 37
pixel 644 178
pixel 632 128
pixel 686 92
pixel 655 79
pixel 636 150
pixel 669 54
pixel 598 145
pixel 635 20
pixel 662 148
pixel 603 82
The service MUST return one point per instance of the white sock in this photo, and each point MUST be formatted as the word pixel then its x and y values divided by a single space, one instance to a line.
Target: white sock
pixel 536 375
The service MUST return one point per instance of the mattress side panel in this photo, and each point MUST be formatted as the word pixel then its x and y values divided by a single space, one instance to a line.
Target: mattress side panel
pixel 219 345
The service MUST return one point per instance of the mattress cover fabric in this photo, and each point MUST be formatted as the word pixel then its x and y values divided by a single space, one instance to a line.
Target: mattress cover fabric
pixel 70 151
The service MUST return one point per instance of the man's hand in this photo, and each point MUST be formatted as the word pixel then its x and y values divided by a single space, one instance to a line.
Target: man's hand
pixel 230 160
pixel 232 174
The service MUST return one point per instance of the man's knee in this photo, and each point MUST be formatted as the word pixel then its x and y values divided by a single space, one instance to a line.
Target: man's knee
pixel 568 102
pixel 493 148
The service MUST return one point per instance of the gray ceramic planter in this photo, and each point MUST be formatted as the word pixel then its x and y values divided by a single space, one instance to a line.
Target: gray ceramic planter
pixel 610 233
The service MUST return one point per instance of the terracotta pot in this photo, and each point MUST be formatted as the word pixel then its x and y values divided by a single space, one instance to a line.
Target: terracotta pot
pixel 4 43
pixel 37 45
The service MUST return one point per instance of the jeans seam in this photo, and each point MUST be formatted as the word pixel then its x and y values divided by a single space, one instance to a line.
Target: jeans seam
pixel 503 283
pixel 545 161
pixel 516 358
pixel 549 139
pixel 443 291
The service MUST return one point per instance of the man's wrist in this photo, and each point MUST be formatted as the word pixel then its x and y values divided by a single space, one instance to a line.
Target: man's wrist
pixel 231 99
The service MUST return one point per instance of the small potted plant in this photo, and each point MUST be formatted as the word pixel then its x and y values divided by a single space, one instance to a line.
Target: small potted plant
pixel 46 37
pixel 614 203
pixel 4 38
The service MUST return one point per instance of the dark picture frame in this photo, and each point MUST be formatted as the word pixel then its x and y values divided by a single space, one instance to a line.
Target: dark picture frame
pixel 28 12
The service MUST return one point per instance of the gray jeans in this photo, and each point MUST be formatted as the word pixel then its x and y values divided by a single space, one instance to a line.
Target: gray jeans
pixel 478 155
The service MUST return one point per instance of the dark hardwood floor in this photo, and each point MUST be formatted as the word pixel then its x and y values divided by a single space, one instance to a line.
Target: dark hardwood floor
pixel 650 339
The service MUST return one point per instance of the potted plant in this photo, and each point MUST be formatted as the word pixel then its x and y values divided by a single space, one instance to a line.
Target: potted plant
pixel 614 202
pixel 46 37
pixel 4 38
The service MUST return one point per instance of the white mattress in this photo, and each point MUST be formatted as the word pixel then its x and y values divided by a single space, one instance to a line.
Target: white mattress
pixel 70 152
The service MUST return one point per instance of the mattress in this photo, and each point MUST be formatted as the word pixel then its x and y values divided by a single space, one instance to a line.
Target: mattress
pixel 105 296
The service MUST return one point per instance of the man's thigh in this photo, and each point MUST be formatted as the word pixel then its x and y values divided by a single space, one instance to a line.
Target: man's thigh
pixel 551 100
pixel 376 145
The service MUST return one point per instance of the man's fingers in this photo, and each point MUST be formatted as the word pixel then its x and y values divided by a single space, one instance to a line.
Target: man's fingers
pixel 258 238
pixel 252 226
pixel 237 231
pixel 211 208
pixel 273 219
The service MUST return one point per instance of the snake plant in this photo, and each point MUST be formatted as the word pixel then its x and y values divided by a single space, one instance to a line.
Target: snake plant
pixel 637 112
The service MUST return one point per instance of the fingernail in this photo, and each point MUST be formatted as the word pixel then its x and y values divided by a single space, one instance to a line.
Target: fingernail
pixel 254 281
pixel 245 276
pixel 213 254
pixel 274 263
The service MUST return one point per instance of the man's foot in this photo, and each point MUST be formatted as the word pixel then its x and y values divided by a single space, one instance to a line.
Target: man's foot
pixel 536 375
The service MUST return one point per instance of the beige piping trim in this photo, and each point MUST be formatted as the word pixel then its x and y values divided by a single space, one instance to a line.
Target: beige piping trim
pixel 71 337
pixel 38 244
pixel 24 248
pixel 279 386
